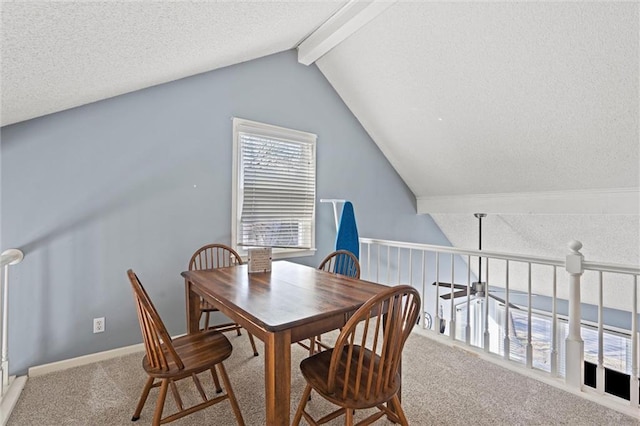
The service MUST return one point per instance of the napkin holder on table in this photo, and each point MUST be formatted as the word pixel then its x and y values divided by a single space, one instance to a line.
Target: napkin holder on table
pixel 259 259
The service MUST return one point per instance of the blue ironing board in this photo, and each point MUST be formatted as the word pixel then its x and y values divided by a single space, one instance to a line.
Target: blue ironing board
pixel 347 237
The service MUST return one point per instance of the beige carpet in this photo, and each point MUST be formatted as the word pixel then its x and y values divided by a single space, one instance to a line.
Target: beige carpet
pixel 441 386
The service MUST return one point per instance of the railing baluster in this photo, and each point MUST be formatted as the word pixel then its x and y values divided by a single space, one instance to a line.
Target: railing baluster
pixel 600 367
pixel 467 331
pixel 423 309
pixel 452 320
pixel 507 341
pixel 634 346
pixel 4 361
pixel 398 280
pixel 388 264
pixel 529 328
pixel 368 261
pixel 487 336
pixel 411 267
pixel 378 265
pixel 554 325
pixel 437 311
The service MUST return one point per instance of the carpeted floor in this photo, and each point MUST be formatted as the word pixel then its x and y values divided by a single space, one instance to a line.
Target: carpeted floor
pixel 441 386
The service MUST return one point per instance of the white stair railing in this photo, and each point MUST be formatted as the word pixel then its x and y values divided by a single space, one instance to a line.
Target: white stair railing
pixel 9 389
pixel 394 262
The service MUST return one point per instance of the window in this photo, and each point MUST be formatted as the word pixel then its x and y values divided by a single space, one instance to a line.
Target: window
pixel 274 189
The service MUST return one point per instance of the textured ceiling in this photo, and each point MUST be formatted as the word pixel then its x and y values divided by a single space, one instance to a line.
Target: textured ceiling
pixel 59 55
pixel 464 98
pixel 498 97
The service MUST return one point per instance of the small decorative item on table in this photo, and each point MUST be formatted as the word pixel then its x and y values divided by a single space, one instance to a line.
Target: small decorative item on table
pixel 259 260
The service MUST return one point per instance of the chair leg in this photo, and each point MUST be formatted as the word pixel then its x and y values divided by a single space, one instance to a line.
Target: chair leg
pixel 312 345
pixel 253 344
pixel 348 417
pixel 216 382
pixel 395 401
pixel 157 416
pixel 143 399
pixel 303 403
pixel 206 320
pixel 176 395
pixel 196 381
pixel 231 394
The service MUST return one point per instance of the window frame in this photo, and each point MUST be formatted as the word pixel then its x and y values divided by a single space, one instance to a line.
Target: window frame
pixel 267 130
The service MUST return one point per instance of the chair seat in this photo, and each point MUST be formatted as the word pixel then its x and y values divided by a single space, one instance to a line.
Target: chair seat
pixel 198 352
pixel 315 370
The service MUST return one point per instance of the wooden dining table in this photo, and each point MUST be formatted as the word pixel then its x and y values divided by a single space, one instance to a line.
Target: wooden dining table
pixel 290 303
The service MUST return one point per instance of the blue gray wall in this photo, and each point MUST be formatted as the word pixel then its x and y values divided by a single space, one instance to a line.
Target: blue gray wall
pixel 142 180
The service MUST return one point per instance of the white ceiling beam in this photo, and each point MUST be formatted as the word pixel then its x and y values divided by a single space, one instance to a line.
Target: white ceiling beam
pixel 346 21
pixel 599 201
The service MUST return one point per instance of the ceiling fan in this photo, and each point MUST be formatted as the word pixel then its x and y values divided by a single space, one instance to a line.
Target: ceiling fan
pixel 477 289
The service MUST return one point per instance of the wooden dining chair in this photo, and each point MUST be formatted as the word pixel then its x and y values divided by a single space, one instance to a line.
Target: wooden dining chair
pixel 213 256
pixel 341 262
pixel 363 369
pixel 169 360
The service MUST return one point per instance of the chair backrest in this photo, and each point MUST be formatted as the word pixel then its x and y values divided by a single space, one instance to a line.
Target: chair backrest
pixel 213 256
pixel 157 341
pixel 341 262
pixel 367 353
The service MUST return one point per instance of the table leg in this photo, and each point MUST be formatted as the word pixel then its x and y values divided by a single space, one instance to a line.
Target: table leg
pixel 193 308
pixel 277 372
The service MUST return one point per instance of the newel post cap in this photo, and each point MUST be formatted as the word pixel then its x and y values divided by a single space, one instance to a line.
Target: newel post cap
pixel 575 246
pixel 574 258
pixel 12 256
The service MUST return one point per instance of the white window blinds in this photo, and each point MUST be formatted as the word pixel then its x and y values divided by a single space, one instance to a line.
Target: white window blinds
pixel 275 200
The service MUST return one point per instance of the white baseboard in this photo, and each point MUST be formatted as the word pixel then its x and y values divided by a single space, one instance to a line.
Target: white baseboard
pixel 39 370
pixel 11 396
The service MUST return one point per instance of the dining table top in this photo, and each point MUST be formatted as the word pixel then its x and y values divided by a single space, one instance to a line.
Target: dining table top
pixel 288 296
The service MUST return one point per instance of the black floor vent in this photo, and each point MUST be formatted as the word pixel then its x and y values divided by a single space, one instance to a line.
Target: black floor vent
pixel 615 382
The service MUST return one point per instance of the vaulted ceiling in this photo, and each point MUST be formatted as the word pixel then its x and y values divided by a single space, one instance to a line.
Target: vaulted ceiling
pixel 526 110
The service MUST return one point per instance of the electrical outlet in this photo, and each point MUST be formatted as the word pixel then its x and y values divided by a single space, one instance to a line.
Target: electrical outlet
pixel 98 325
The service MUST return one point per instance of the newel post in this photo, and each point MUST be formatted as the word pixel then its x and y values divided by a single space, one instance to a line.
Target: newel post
pixel 575 345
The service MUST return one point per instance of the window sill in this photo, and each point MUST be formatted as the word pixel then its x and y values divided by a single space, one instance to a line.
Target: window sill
pixel 279 254
pixel 285 254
